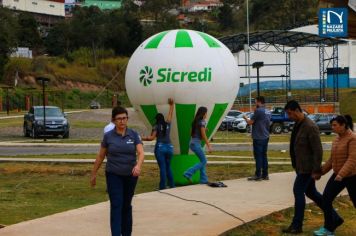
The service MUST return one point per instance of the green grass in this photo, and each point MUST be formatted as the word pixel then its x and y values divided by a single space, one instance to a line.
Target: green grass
pixel 29 191
pixel 272 155
pixel 228 136
pixel 87 124
pixel 33 190
pixel 272 225
pixel 13 122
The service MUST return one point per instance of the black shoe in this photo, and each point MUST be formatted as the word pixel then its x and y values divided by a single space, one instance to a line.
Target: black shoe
pixel 292 230
pixel 254 178
pixel 339 222
pixel 265 178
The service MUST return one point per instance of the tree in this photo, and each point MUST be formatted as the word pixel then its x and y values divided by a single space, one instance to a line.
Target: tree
pixel 8 25
pixel 225 15
pixel 88 27
pixel 280 14
pixel 158 8
pixel 27 33
pixel 58 40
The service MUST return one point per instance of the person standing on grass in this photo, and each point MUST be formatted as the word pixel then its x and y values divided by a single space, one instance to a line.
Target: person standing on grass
pixel 198 135
pixel 260 122
pixel 163 148
pixel 121 146
pixel 343 162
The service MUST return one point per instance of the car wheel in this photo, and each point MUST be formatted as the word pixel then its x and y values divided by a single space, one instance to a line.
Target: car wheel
pixel 277 128
pixel 248 129
pixel 66 134
pixel 25 132
pixel 222 128
pixel 34 133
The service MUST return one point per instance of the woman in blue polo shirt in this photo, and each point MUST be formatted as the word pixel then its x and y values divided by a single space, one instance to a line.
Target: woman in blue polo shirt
pixel 164 148
pixel 199 135
pixel 120 146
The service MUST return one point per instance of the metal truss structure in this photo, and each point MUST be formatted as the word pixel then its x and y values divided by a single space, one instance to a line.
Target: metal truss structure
pixel 284 41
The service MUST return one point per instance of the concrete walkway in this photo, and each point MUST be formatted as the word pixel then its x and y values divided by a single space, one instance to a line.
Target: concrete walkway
pixel 164 214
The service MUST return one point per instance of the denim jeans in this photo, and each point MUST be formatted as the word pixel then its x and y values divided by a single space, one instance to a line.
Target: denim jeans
pixel 260 147
pixel 164 154
pixel 195 146
pixel 304 184
pixel 332 189
pixel 121 190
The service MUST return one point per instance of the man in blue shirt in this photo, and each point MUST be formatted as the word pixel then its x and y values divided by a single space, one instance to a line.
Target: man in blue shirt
pixel 260 121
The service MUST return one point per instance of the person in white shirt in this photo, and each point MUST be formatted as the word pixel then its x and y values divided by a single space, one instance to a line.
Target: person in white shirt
pixel 109 127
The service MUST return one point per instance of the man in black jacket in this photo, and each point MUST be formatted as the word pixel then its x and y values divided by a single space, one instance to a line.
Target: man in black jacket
pixel 306 154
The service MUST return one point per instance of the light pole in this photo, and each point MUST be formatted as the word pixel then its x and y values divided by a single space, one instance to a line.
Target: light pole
pixel 258 65
pixel 248 53
pixel 283 76
pixel 6 88
pixel 43 80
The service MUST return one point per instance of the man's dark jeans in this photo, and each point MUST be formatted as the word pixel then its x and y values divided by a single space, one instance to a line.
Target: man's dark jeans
pixel 164 154
pixel 121 190
pixel 304 184
pixel 260 147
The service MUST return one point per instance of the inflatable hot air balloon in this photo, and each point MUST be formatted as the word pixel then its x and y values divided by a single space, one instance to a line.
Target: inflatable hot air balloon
pixel 193 68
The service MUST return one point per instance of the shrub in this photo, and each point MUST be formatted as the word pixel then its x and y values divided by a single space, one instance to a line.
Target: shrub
pixel 22 65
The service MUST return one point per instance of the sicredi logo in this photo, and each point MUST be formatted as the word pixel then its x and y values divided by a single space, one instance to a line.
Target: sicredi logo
pixel 146 76
pixel 333 22
pixel 169 75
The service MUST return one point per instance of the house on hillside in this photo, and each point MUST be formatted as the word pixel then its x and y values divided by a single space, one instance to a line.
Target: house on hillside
pixel 46 12
pixel 103 4
pixel 196 6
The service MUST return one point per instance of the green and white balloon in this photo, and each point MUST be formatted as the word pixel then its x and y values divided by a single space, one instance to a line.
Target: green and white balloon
pixel 193 68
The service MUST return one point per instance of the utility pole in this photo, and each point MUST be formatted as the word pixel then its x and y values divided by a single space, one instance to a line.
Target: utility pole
pixel 258 65
pixel 43 80
pixel 6 88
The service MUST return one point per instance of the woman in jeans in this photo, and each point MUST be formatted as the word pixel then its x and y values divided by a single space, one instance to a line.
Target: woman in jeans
pixel 199 135
pixel 164 147
pixel 121 146
pixel 343 163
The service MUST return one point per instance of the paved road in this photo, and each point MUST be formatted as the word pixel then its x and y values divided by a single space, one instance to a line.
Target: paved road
pixel 38 149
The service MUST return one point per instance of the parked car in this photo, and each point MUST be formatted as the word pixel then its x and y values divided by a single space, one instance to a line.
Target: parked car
pixel 231 116
pixel 322 120
pixel 240 124
pixel 94 105
pixel 280 121
pixel 56 122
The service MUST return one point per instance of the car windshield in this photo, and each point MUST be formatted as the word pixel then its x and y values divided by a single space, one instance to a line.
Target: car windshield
pixel 313 116
pixel 242 115
pixel 233 113
pixel 49 112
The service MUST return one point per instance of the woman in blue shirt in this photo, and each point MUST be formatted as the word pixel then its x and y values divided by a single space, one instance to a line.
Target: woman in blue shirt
pixel 164 147
pixel 199 135
pixel 121 145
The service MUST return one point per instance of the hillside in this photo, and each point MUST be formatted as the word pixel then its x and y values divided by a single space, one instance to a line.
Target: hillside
pixel 78 73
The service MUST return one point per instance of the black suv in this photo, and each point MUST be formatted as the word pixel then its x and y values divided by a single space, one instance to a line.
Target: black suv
pixel 56 122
